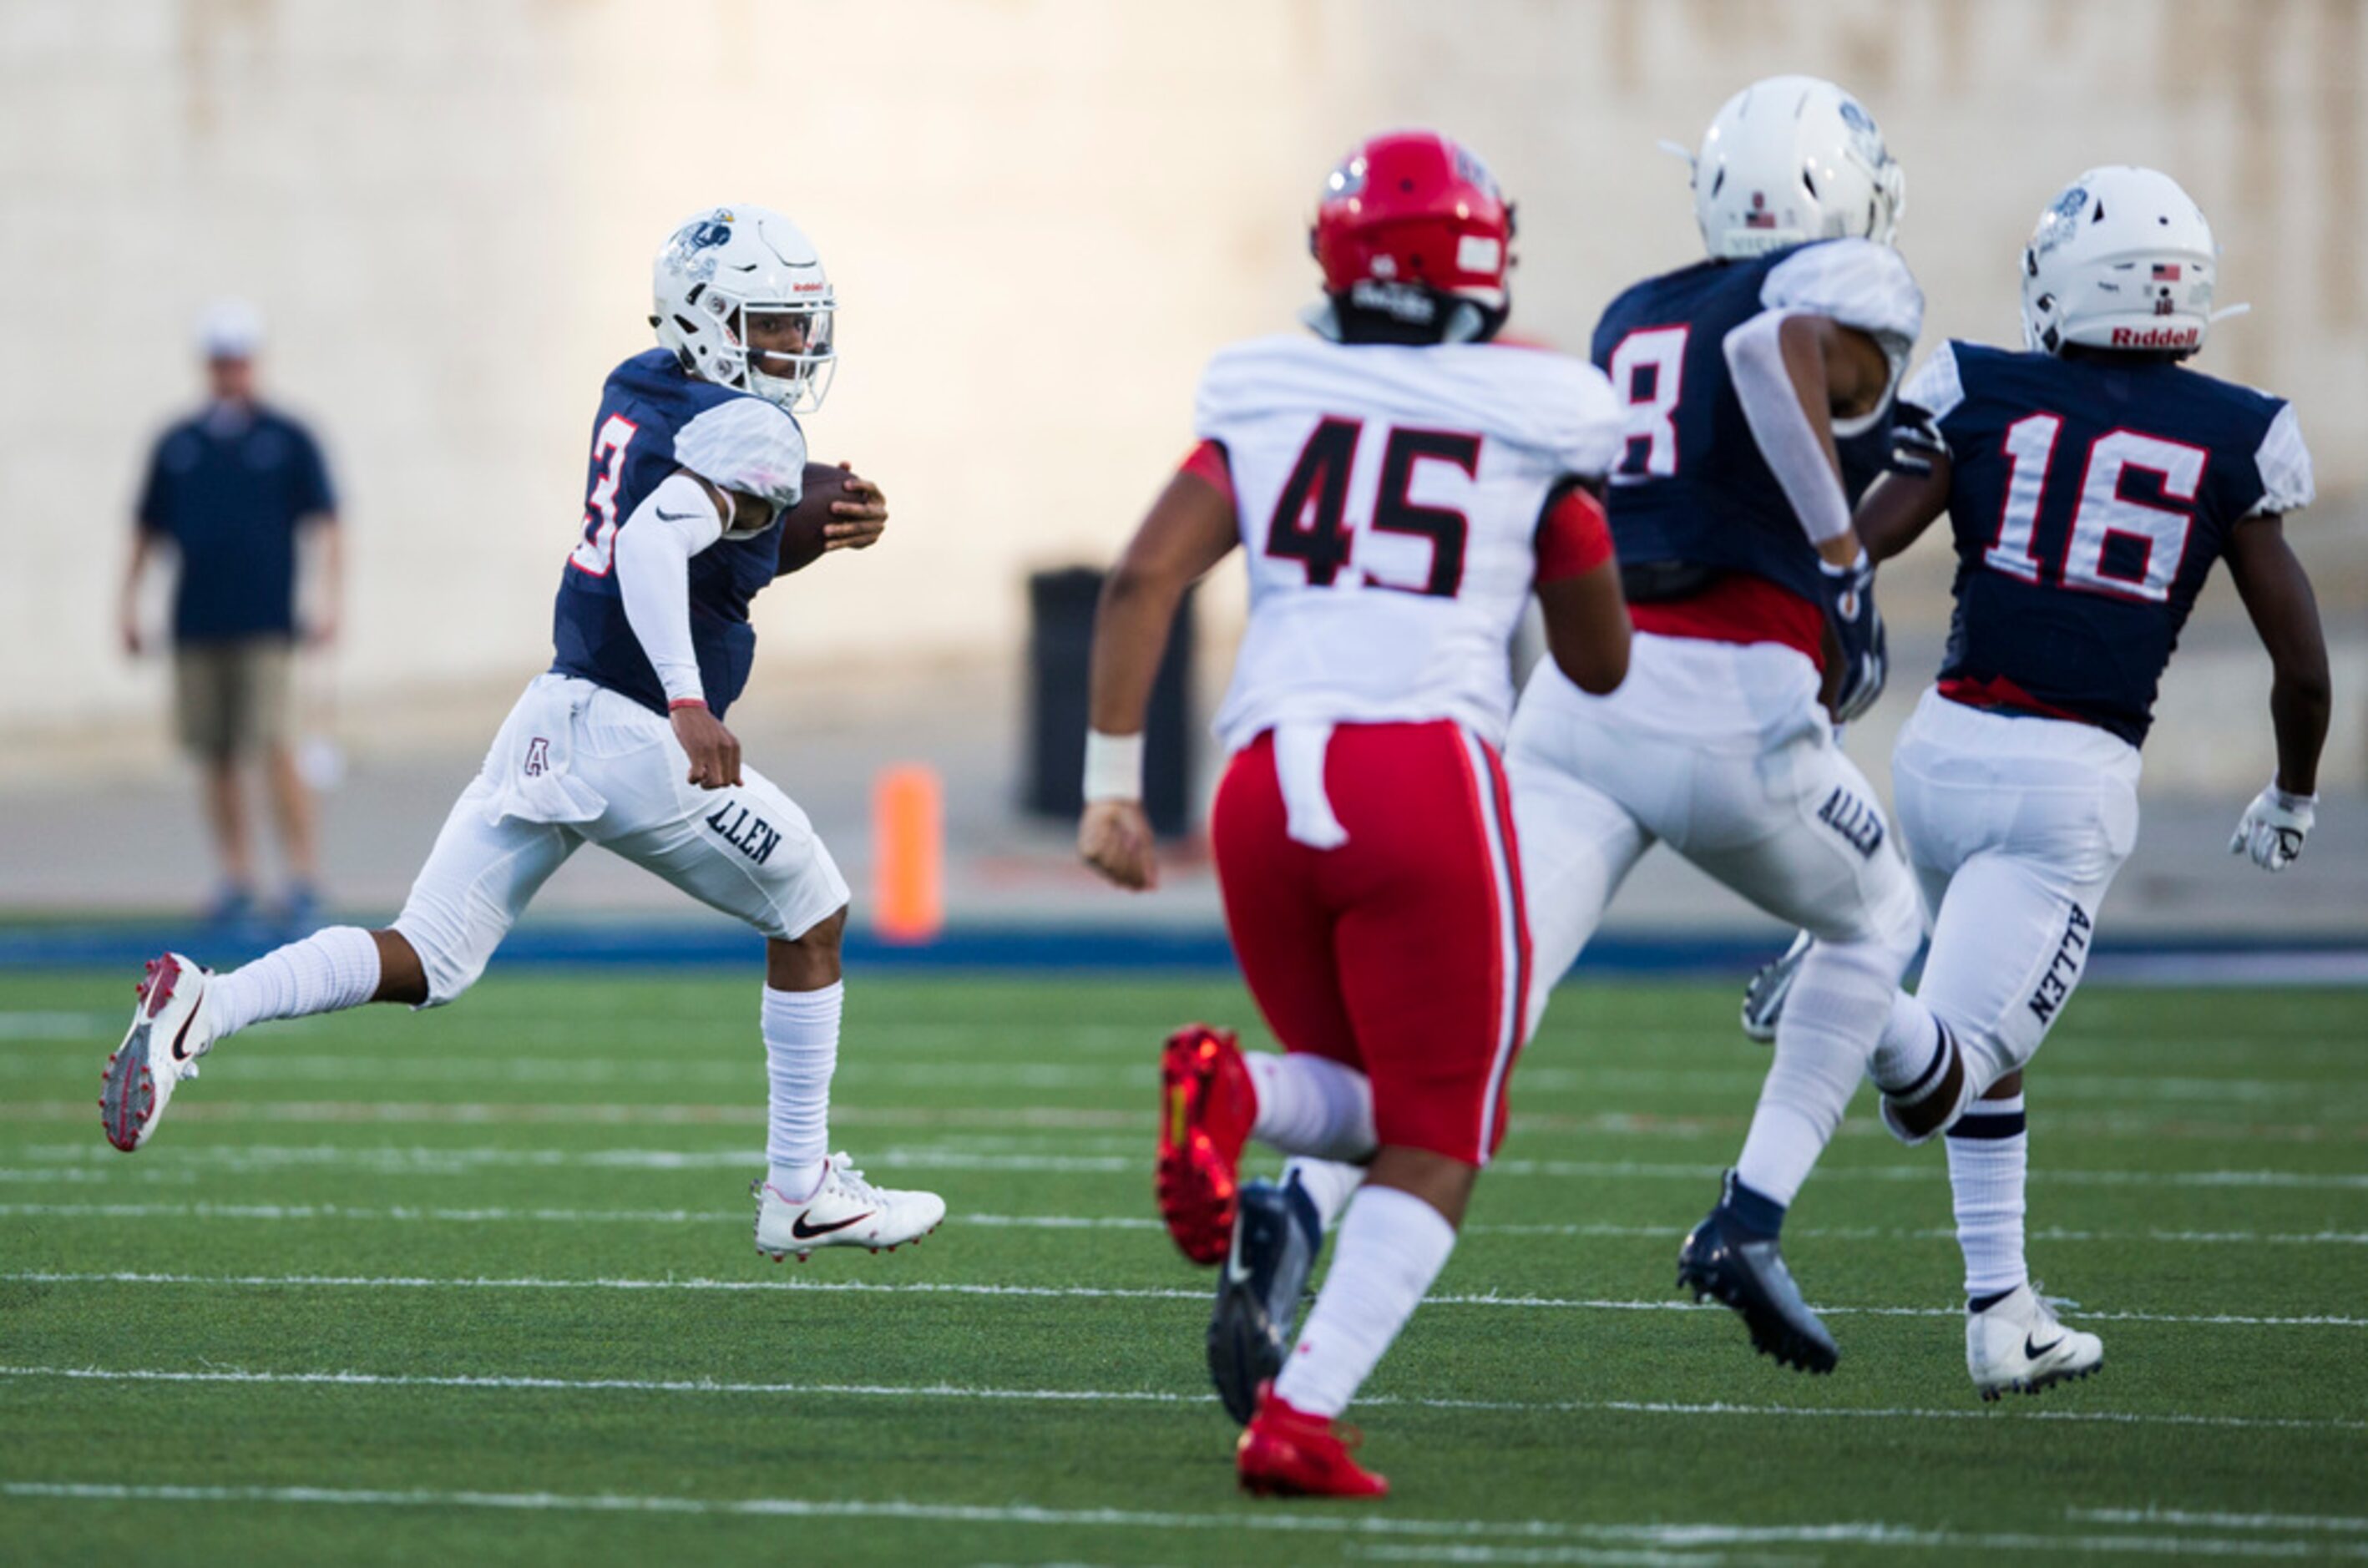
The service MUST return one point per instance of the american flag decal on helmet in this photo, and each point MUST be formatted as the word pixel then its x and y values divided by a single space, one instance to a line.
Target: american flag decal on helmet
pixel 2167 272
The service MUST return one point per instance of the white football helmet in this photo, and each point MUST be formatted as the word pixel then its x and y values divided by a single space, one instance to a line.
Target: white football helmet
pixel 721 267
pixel 2122 259
pixel 1794 159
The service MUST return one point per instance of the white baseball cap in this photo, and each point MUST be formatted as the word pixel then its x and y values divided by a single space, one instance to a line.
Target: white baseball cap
pixel 231 329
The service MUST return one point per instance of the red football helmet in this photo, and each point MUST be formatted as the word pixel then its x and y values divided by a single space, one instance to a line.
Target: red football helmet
pixel 1414 207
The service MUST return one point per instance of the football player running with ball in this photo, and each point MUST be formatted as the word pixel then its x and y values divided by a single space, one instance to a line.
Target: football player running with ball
pixel 1400 487
pixel 698 464
pixel 2090 482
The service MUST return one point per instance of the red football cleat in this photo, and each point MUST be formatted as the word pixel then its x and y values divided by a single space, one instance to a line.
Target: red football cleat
pixel 1289 1453
pixel 1206 1105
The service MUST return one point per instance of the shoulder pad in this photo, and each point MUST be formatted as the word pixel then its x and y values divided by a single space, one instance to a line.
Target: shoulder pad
pixel 2284 466
pixel 1936 387
pixel 748 445
pixel 1856 283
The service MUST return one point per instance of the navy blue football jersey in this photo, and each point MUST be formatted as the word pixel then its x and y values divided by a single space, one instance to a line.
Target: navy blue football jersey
pixel 1692 486
pixel 653 419
pixel 2090 498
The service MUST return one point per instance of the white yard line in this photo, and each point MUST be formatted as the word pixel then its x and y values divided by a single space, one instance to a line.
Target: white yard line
pixel 704 1386
pixel 85 1026
pixel 425 1160
pixel 1061 1292
pixel 1891 1536
pixel 2189 1520
pixel 967 1069
pixel 1455 1540
pixel 1065 1120
pixel 405 1214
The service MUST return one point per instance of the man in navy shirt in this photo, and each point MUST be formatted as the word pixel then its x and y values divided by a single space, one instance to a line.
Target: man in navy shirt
pixel 229 489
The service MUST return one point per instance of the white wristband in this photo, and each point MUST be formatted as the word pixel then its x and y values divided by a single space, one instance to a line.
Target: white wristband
pixel 1113 767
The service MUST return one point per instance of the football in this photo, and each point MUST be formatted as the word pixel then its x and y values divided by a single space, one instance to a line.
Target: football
pixel 802 536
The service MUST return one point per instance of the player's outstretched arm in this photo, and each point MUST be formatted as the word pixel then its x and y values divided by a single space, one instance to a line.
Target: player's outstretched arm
pixel 675 522
pixel 1898 508
pixel 1588 627
pixel 1578 590
pixel 2278 596
pixel 1189 530
pixel 1793 373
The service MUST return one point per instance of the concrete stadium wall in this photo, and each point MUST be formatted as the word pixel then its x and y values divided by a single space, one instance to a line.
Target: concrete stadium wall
pixel 1042 215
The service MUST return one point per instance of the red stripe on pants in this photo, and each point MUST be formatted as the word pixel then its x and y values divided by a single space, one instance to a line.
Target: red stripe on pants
pixel 1391 952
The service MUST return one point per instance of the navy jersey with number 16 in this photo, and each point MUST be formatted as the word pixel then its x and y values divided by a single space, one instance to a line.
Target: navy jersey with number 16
pixel 653 419
pixel 2089 497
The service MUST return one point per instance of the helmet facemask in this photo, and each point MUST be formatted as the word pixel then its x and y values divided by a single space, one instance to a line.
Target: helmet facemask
pixel 788 355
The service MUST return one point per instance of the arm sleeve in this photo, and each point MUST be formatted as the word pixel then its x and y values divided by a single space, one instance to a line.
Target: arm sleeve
pixel 2284 466
pixel 746 444
pixel 1755 360
pixel 1574 536
pixel 674 522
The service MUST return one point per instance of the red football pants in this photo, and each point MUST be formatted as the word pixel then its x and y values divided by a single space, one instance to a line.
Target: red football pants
pixel 1403 952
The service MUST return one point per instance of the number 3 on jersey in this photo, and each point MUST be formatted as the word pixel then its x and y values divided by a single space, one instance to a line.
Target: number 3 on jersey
pixel 597 549
pixel 1310 522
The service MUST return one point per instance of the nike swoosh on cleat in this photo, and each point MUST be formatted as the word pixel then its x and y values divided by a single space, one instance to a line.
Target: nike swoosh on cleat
pixel 804 1231
pixel 180 1039
pixel 2034 1352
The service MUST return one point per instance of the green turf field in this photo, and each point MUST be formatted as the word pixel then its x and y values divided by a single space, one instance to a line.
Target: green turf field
pixel 477 1287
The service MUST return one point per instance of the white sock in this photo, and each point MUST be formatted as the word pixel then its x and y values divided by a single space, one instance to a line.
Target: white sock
pixel 328 971
pixel 1904 1049
pixel 1312 1104
pixel 1328 1183
pixel 801 1054
pixel 1989 1157
pixel 1831 1020
pixel 1392 1246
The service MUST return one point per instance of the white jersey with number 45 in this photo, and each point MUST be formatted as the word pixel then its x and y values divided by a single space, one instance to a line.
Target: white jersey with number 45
pixel 1392 501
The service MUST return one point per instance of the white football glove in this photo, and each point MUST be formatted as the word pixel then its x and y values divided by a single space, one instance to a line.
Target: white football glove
pixel 2274 827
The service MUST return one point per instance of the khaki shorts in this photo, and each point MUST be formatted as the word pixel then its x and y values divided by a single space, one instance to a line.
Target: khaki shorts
pixel 232 699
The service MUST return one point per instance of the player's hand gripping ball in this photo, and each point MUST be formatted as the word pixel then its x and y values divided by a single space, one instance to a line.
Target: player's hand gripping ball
pixel 841 510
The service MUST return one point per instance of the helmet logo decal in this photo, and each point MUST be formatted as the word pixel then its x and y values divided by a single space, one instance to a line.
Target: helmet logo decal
pixel 1760 217
pixel 2061 221
pixel 1865 139
pixel 1472 171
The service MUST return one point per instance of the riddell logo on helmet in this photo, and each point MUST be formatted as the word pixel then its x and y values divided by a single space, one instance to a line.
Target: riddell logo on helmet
pixel 2156 337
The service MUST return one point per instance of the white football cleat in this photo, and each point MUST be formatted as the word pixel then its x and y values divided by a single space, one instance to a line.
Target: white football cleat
pixel 170 1030
pixel 2017 1346
pixel 845 1211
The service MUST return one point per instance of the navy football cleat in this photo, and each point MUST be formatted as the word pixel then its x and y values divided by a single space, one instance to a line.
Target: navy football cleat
pixel 1744 1269
pixel 1276 1238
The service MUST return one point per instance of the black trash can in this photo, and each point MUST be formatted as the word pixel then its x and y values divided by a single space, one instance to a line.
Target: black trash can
pixel 1059 645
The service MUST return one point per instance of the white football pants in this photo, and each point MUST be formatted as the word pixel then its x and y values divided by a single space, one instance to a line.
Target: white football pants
pixel 2015 826
pixel 578 764
pixel 1723 751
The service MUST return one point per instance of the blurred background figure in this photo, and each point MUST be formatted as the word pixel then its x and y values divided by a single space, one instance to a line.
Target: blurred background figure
pixel 229 491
